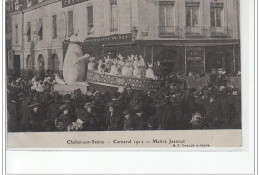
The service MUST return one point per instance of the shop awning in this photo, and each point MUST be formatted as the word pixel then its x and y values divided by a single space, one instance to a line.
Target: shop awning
pixel 169 43
pixel 198 44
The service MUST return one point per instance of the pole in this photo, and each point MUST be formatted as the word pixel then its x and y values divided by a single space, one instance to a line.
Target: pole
pixel 185 59
pixel 204 52
pixel 152 54
pixel 234 57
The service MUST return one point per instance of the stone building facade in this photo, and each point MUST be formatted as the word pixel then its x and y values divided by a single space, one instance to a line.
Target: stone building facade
pixel 184 35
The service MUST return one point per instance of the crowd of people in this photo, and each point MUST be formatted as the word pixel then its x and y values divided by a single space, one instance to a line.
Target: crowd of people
pixel 33 106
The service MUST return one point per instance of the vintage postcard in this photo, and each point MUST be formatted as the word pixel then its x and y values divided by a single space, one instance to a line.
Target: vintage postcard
pixel 123 74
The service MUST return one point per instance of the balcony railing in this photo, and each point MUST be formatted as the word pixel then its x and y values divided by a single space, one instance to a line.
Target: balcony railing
pixel 169 31
pixel 220 32
pixel 197 31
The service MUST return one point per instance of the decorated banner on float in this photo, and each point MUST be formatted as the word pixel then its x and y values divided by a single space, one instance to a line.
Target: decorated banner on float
pixel 119 80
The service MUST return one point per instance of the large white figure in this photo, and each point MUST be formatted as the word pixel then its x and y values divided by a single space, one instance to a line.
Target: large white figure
pixel 74 63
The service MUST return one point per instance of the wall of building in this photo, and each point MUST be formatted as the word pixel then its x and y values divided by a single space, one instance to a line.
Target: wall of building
pixel 102 17
pixel 140 14
pixel 16 19
pixel 149 18
pixel 48 46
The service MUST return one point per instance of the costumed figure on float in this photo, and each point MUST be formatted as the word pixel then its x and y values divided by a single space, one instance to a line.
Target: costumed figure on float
pixel 74 69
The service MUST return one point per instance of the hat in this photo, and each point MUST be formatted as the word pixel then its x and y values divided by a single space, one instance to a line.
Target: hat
pixel 126 112
pixel 34 104
pixel 196 93
pixel 77 91
pixel 221 88
pixel 235 89
pixel 121 89
pixel 111 104
pixel 138 108
pixel 66 98
pixel 64 107
pixel 88 104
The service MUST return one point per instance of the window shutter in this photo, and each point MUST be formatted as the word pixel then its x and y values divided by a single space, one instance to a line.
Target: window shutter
pixel 61 26
pixel 162 16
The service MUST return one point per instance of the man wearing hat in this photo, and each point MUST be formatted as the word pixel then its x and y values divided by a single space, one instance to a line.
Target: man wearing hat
pixel 213 113
pixel 113 119
pixel 128 121
pixel 139 120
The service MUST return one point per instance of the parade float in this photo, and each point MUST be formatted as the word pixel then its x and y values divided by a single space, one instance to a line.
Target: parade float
pixel 115 72
pixel 123 72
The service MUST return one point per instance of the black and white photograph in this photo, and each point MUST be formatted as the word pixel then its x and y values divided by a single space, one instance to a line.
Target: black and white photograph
pixel 129 86
pixel 122 65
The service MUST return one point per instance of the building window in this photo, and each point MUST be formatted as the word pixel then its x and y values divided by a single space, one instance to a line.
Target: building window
pixel 28 32
pixel 29 3
pixel 54 27
pixel 166 12
pixel 55 63
pixel 192 14
pixel 17 5
pixel 114 15
pixel 70 20
pixel 39 30
pixel 90 18
pixel 16 33
pixel 216 14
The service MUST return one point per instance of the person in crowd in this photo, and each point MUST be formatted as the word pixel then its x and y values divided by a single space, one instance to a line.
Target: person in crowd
pixel 54 110
pixel 14 114
pixel 88 118
pixel 113 119
pixel 128 123
pixel 140 121
pixel 235 101
pixel 33 120
pixel 63 121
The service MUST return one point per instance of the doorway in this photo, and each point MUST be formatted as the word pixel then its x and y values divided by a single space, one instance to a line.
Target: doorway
pixel 17 66
pixel 217 61
pixel 41 66
pixel 168 58
pixel 55 64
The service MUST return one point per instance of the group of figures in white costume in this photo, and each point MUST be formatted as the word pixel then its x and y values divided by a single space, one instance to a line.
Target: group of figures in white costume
pixel 132 66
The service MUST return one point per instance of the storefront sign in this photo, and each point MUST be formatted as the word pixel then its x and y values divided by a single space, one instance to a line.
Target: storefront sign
pixel 111 39
pixel 195 59
pixel 66 3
